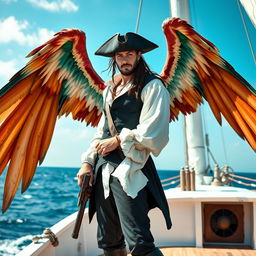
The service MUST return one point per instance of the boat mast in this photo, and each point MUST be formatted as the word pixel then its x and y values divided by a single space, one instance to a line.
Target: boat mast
pixel 195 151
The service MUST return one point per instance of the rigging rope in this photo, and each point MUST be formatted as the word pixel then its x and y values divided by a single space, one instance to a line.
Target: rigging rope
pixel 138 17
pixel 170 178
pixel 246 31
pixel 243 183
pixel 170 183
pixel 241 177
pixel 224 145
pixel 186 141
pixel 206 138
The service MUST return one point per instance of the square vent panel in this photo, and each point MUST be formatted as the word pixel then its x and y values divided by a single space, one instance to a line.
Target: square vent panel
pixel 223 223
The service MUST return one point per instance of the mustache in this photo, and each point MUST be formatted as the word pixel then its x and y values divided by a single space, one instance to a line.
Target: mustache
pixel 126 64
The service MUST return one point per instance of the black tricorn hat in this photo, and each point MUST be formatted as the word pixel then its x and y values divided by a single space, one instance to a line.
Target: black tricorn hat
pixel 128 42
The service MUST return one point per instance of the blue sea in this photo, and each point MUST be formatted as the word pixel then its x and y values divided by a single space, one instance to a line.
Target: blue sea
pixel 51 196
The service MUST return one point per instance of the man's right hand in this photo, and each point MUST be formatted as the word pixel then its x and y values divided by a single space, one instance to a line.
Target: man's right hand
pixel 85 169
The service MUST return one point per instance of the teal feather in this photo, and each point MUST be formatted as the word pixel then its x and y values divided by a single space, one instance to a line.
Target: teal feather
pixel 63 95
pixel 68 63
pixel 186 54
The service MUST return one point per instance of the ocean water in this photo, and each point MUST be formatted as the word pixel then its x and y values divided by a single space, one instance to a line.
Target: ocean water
pixel 51 196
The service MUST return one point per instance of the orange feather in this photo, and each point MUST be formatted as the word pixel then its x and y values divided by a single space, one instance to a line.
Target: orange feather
pixel 96 120
pixel 7 112
pixel 11 184
pixel 89 117
pixel 34 65
pixel 15 94
pixel 5 160
pixel 239 88
pixel 16 167
pixel 213 105
pixel 49 128
pixel 224 110
pixel 12 125
pixel 246 112
pixel 53 83
pixel 238 118
pixel 35 142
pixel 37 83
pixel 187 98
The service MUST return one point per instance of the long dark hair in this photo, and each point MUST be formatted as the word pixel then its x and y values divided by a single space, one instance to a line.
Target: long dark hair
pixel 139 75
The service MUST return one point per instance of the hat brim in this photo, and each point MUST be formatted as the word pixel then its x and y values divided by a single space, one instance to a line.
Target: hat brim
pixel 128 42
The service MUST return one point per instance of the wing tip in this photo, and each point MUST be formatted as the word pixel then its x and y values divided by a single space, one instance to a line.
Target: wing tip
pixel 6 204
pixel 25 186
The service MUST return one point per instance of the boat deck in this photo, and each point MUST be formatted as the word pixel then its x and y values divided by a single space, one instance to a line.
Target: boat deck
pixel 192 251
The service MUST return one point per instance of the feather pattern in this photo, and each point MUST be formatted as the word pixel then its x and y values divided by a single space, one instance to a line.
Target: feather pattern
pixel 58 80
pixel 194 70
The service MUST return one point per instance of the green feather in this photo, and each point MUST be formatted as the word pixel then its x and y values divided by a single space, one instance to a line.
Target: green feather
pixel 186 54
pixel 63 95
pixel 68 63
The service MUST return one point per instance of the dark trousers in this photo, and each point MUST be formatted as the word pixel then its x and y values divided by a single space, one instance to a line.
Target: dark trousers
pixel 122 218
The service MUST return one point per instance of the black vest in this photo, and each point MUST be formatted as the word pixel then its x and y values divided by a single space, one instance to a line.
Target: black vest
pixel 125 111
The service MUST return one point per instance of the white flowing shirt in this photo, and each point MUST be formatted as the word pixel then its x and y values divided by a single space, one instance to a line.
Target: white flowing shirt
pixel 150 135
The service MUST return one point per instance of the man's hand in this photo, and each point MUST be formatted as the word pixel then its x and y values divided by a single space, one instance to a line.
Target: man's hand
pixel 104 147
pixel 85 169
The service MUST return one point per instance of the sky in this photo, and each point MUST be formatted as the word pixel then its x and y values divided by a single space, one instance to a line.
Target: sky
pixel 25 24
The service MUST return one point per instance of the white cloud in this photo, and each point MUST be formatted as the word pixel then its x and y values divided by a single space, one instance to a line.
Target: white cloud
pixel 14 31
pixel 7 70
pixel 55 6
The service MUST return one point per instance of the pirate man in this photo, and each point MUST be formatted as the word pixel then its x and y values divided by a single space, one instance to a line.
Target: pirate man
pixel 134 124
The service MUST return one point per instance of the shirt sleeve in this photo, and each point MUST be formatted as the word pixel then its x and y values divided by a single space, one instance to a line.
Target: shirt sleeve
pixel 150 135
pixel 152 132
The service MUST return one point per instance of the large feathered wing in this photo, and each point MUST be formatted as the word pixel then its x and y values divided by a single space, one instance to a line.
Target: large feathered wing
pixel 58 80
pixel 194 70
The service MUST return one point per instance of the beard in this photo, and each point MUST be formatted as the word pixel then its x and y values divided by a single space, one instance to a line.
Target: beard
pixel 128 72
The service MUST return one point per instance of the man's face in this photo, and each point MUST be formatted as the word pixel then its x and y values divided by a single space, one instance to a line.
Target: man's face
pixel 127 61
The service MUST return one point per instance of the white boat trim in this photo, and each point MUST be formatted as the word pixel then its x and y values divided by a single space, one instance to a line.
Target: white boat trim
pixel 186 209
